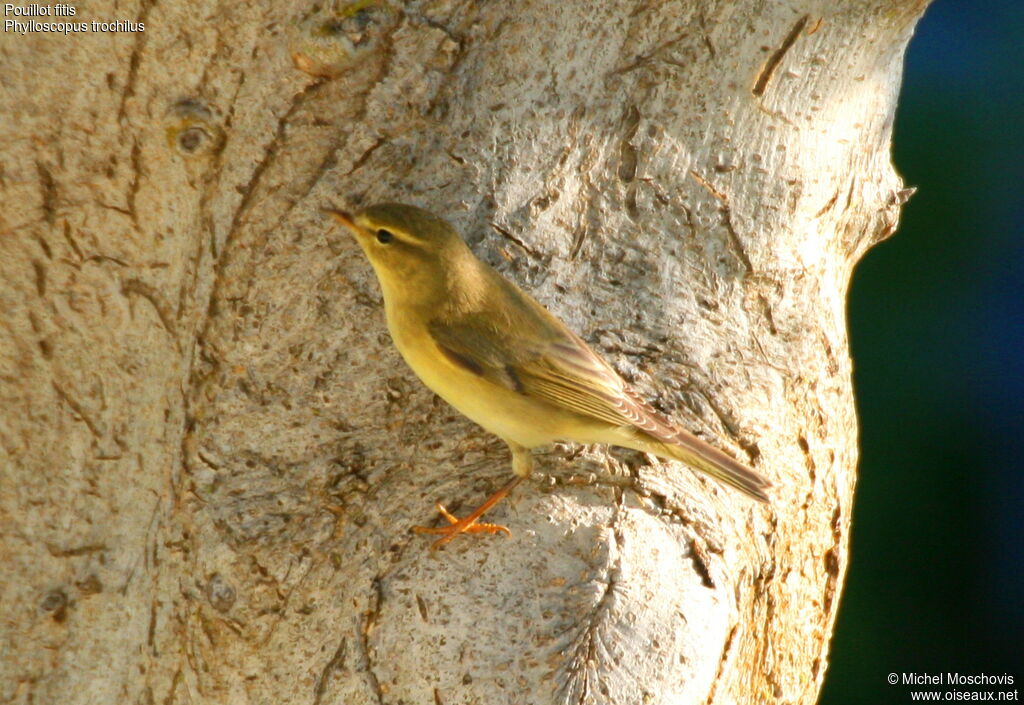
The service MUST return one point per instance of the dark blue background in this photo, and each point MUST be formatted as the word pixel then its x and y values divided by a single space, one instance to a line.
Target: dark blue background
pixel 936 581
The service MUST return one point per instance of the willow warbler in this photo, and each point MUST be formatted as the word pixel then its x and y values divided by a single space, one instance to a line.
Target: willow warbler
pixel 499 357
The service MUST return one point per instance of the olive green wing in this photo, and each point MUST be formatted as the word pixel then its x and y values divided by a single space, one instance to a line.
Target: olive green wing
pixel 562 370
pixel 475 347
pixel 559 369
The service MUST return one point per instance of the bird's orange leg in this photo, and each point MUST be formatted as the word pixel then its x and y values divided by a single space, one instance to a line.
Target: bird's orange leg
pixel 469 524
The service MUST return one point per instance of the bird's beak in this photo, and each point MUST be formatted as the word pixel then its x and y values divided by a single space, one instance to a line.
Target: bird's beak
pixel 345 219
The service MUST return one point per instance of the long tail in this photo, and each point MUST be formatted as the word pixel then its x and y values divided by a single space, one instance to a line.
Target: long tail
pixel 706 458
pixel 656 434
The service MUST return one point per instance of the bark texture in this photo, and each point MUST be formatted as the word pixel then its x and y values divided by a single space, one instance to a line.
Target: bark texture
pixel 212 454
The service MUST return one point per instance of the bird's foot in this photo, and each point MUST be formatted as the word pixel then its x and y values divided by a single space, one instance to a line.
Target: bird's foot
pixel 469 524
pixel 456 526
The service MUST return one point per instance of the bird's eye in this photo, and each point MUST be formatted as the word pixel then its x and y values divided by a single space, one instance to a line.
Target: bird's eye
pixel 385 236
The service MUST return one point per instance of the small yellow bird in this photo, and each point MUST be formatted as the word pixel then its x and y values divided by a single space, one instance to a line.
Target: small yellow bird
pixel 499 357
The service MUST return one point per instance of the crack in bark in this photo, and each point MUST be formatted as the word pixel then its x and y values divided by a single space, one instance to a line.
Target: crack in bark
pixel 734 239
pixel 269 156
pixel 169 699
pixel 40 271
pixel 151 628
pixel 49 193
pixel 651 56
pixel 78 409
pixel 371 616
pixel 776 58
pixel 726 209
pixel 831 202
pixel 134 60
pixel 702 21
pixel 72 243
pixel 286 597
pixel 321 681
pixel 135 286
pixel 628 156
pixel 805 448
pixel 133 187
pixel 112 207
pixel 365 156
pixel 328 162
pixel 721 665
pixel 689 220
pixel 578 238
pixel 529 250
pixel 701 562
pixel 850 191
pixel 58 552
pixel 211 186
pixel 721 196
pixel 833 563
pixel 769 316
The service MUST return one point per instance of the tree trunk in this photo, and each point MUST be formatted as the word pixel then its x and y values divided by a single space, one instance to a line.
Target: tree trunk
pixel 212 453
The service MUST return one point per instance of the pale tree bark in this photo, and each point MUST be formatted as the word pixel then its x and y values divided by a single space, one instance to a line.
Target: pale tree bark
pixel 212 455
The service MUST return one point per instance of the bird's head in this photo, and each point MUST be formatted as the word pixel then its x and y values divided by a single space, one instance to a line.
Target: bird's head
pixel 412 250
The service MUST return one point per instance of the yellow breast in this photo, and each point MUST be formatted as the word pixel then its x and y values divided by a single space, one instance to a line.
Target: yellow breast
pixel 500 410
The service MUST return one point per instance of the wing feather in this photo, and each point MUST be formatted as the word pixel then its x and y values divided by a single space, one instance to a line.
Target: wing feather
pixel 566 373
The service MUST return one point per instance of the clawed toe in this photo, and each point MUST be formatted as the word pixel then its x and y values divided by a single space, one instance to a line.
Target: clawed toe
pixel 457 526
pixel 469 524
